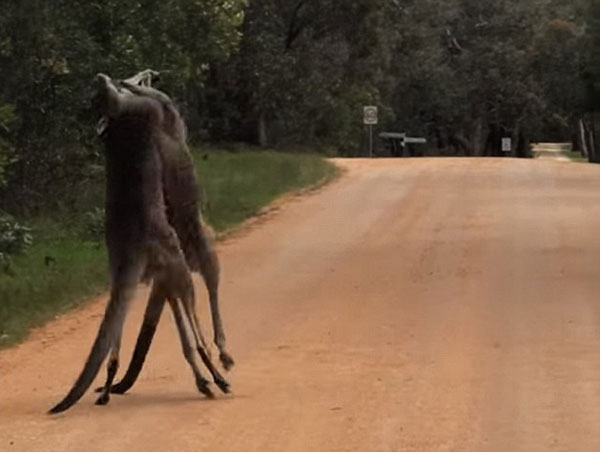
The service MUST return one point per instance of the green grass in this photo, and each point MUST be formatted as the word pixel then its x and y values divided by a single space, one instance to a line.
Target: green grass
pixel 574 156
pixel 63 268
pixel 237 185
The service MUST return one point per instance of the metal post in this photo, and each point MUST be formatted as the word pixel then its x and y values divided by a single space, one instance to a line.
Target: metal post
pixel 371 140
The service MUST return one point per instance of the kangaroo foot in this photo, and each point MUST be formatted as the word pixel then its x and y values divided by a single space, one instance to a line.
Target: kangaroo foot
pixel 226 360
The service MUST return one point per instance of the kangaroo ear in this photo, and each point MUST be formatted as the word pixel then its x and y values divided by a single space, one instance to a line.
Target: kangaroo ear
pixel 143 78
pixel 103 82
pixel 107 96
pixel 150 75
pixel 102 126
pixel 102 78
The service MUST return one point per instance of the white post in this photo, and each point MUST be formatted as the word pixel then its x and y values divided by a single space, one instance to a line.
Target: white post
pixel 370 119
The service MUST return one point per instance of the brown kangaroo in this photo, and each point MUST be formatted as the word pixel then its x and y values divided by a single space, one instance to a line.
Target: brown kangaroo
pixel 182 197
pixel 141 243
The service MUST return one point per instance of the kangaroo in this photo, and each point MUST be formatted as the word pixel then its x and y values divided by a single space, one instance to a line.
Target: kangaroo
pixel 182 197
pixel 141 243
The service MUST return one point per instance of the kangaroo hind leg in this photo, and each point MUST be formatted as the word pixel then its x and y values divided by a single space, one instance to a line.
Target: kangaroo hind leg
pixel 189 307
pixel 201 383
pixel 111 371
pixel 210 270
pixel 108 335
pixel 152 315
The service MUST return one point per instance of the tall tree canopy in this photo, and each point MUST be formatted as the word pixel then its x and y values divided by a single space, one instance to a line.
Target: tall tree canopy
pixel 293 73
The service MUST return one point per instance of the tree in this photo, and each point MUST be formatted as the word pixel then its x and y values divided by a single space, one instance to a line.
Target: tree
pixel 305 69
pixel 49 53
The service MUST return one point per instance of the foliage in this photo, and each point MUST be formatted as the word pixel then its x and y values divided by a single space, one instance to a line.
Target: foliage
pixel 7 122
pixel 49 53
pixel 290 73
pixel 15 238
pixel 94 224
pixel 463 73
pixel 591 43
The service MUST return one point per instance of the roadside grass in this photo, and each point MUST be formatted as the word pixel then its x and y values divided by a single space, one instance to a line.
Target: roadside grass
pixel 238 185
pixel 65 266
pixel 574 156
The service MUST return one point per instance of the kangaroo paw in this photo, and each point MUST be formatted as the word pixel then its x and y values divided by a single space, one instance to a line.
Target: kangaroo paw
pixel 223 385
pixel 203 387
pixel 103 399
pixel 226 360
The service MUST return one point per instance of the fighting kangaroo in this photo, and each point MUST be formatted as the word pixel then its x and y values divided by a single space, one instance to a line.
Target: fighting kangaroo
pixel 141 243
pixel 182 197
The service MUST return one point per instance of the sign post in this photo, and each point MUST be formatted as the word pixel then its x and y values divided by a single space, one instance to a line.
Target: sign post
pixel 370 119
pixel 506 144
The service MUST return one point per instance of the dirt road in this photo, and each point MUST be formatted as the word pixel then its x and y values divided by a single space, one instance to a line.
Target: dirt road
pixel 412 305
pixel 552 151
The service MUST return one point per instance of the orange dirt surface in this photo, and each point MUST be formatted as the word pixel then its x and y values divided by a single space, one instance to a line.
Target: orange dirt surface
pixel 411 305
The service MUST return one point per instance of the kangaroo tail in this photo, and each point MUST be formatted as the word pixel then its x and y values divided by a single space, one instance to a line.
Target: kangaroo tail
pixel 144 340
pixel 111 323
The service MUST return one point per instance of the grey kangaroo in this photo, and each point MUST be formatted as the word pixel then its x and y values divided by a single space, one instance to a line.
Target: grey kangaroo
pixel 141 243
pixel 182 197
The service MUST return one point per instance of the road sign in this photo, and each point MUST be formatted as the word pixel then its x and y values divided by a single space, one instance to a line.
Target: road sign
pixel 370 119
pixel 506 144
pixel 370 115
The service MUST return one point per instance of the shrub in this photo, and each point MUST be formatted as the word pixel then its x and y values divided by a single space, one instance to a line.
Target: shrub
pixel 93 227
pixel 15 238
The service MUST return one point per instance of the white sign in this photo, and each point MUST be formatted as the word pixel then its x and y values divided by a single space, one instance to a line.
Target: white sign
pixel 370 115
pixel 506 144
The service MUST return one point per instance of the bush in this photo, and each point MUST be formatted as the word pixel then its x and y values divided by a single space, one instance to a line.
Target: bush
pixel 93 226
pixel 8 119
pixel 14 239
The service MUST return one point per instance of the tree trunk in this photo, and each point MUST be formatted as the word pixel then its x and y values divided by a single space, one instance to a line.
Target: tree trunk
pixel 592 143
pixel 262 130
pixel 440 139
pixel 477 141
pixel 581 140
pixel 463 143
pixel 493 141
pixel 523 146
pixel 594 138
pixel 588 138
pixel 514 152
